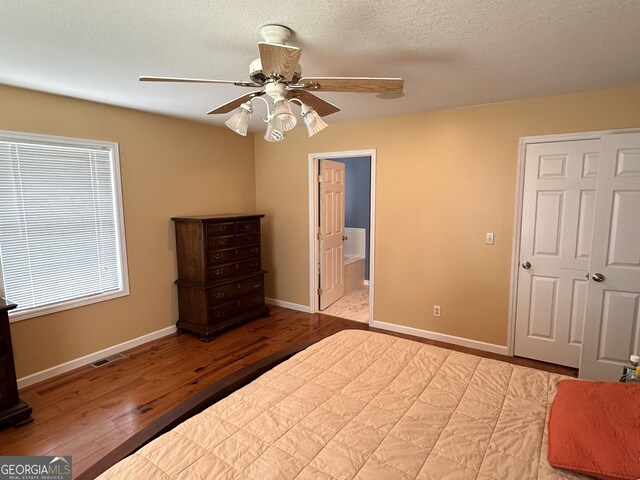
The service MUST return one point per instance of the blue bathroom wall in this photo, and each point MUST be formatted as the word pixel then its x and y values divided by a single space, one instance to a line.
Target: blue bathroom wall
pixel 358 197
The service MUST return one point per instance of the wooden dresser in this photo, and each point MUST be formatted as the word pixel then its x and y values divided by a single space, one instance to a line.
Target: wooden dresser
pixel 220 279
pixel 13 411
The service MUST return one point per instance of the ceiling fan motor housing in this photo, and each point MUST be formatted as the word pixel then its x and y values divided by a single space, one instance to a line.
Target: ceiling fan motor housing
pixel 256 74
pixel 275 90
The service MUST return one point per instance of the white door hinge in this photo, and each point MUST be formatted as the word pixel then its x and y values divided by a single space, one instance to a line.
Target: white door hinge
pixel 319 178
pixel 319 236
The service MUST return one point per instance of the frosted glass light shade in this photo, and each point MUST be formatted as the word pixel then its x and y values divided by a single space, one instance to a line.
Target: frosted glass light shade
pixel 313 122
pixel 273 135
pixel 283 118
pixel 239 121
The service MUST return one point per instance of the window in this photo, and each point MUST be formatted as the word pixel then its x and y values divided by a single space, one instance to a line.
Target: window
pixel 61 226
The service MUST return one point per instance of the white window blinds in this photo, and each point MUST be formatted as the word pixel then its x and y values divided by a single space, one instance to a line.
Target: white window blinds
pixel 60 226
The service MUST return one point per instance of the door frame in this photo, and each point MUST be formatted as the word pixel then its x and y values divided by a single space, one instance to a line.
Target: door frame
pixel 313 222
pixel 523 142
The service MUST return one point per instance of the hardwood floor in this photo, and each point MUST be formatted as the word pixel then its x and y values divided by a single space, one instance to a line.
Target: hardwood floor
pixel 88 412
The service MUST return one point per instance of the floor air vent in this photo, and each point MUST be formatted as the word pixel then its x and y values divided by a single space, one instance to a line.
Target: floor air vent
pixel 107 360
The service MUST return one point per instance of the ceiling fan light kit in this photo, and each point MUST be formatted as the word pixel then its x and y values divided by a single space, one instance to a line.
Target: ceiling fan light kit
pixel 279 75
pixel 239 121
pixel 283 118
pixel 312 120
pixel 273 135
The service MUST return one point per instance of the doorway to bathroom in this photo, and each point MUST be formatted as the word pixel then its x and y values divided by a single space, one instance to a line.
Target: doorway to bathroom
pixel 341 233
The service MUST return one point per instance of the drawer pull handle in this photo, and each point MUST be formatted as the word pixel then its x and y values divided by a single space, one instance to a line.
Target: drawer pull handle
pixel 218 256
pixel 222 241
pixel 247 226
pixel 220 295
pixel 219 314
pixel 237 266
pixel 258 300
pixel 239 285
pixel 254 250
pixel 222 228
pixel 218 271
pixel 238 303
pixel 257 285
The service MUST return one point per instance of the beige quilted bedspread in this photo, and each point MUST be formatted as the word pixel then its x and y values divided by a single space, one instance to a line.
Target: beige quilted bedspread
pixel 366 405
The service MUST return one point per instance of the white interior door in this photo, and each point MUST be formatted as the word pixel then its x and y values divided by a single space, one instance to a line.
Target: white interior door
pixel 331 231
pixel 612 329
pixel 555 249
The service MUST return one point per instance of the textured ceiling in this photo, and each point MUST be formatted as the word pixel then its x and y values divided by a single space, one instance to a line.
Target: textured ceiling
pixel 450 52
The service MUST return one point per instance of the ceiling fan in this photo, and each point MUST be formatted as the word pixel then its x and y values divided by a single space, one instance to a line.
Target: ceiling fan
pixel 278 75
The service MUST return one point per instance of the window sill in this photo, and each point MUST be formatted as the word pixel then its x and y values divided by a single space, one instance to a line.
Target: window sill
pixel 59 307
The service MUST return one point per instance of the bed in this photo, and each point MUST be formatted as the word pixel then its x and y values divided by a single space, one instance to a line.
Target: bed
pixel 361 404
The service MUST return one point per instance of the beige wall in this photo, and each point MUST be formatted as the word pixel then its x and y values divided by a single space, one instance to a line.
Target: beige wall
pixel 169 167
pixel 443 180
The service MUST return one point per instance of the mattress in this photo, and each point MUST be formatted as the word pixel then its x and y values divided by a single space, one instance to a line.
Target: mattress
pixel 366 405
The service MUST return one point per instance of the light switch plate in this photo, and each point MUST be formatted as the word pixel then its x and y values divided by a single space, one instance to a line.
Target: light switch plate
pixel 489 238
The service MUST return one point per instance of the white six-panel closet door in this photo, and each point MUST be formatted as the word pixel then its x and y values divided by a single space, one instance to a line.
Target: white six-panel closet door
pixel 555 249
pixel 612 321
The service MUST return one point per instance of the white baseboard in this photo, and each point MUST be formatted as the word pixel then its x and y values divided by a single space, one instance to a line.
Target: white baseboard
pixel 292 306
pixel 92 357
pixel 441 337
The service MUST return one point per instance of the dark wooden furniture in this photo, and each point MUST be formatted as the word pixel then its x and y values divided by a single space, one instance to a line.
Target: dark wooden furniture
pixel 13 411
pixel 220 280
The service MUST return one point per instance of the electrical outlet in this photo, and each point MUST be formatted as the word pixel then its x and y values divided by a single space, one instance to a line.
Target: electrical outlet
pixel 436 310
pixel 489 238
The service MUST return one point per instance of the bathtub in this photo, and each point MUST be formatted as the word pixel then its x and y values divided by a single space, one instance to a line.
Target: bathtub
pixel 352 258
pixel 353 272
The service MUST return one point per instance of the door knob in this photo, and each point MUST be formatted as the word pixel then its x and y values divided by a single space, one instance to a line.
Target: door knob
pixel 597 277
pixel 344 238
pixel 526 265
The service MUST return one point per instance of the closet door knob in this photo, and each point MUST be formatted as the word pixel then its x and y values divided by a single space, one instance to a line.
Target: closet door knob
pixel 597 277
pixel 526 265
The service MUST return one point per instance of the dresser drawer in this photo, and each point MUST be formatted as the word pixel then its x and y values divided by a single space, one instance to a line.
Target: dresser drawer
pixel 221 242
pixel 245 238
pixel 218 229
pixel 231 269
pixel 231 254
pixel 232 240
pixel 223 294
pixel 248 226
pixel 223 312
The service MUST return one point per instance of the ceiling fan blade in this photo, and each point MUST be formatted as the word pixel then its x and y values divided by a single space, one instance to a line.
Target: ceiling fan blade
pixel 147 78
pixel 279 59
pixel 354 84
pixel 235 103
pixel 321 106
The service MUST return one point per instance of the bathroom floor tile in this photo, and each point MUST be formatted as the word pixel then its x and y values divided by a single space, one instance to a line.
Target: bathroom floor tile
pixel 354 305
